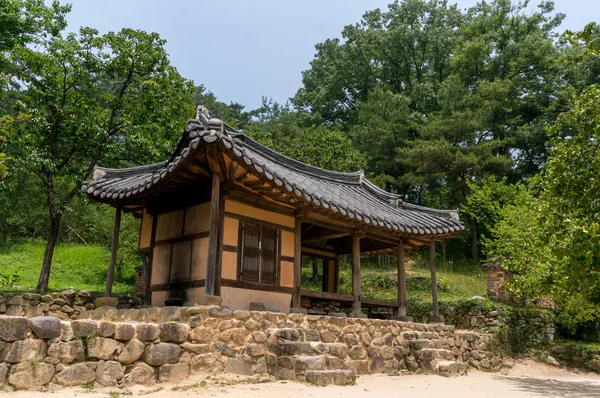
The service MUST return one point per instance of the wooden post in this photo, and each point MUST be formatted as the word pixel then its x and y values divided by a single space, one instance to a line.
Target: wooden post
pixel 148 275
pixel 356 291
pixel 325 276
pixel 213 238
pixel 113 252
pixel 436 312
pixel 336 274
pixel 220 246
pixel 297 262
pixel 401 281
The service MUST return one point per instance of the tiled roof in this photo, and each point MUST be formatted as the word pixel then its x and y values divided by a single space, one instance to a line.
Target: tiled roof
pixel 348 195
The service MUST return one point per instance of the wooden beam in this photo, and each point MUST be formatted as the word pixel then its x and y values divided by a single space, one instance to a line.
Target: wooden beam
pixel 297 261
pixel 198 168
pixel 336 275
pixel 255 184
pixel 213 238
pixel 356 290
pixel 243 177
pixel 401 280
pixel 436 311
pixel 324 235
pixel 233 170
pixel 148 292
pixel 213 159
pixel 113 252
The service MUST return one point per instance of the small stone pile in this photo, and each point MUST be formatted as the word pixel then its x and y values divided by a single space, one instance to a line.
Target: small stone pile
pixel 122 347
pixel 68 304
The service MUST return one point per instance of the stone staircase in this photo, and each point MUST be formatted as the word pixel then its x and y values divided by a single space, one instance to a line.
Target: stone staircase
pixel 296 354
pixel 315 362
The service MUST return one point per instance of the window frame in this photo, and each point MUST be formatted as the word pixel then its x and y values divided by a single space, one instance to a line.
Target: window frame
pixel 242 247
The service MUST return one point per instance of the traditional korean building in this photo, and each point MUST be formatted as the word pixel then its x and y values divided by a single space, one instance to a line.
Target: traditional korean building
pixel 228 217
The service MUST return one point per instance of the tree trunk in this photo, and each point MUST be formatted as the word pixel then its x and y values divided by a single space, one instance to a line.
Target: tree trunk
pixel 42 286
pixel 474 251
pixel 315 271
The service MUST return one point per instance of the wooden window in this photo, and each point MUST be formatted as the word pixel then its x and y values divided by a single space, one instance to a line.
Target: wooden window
pixel 260 253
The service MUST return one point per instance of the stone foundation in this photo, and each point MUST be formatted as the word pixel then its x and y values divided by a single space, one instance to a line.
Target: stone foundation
pixel 68 304
pixel 118 347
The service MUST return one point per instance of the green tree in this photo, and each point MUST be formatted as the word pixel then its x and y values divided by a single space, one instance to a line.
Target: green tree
pixel 113 99
pixel 552 239
pixel 297 134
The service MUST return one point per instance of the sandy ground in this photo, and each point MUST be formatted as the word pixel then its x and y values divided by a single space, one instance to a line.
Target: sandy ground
pixel 526 379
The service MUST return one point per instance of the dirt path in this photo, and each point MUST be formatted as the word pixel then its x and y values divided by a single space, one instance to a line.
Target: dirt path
pixel 526 379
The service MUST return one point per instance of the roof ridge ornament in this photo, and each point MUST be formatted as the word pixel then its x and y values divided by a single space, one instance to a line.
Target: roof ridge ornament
pixel 361 177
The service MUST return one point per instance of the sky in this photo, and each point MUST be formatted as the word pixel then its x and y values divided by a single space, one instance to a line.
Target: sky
pixel 242 50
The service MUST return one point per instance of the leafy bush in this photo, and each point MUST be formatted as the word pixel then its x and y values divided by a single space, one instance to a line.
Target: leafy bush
pixel 9 280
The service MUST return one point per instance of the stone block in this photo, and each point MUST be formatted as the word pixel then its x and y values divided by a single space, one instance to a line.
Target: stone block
pixel 75 375
pixel 124 331
pixel 109 373
pixel 67 352
pixel 106 302
pixel 203 335
pixel 45 327
pixel 84 328
pixel 173 332
pixel 24 350
pixel 304 364
pixel 264 306
pixel 161 353
pixel 3 373
pixel 28 375
pixel 103 348
pixel 210 300
pixel 255 350
pixel 141 374
pixel 241 365
pixel 147 332
pixel 106 329
pixel 328 377
pixel 173 373
pixel 132 351
pixel 13 328
pixel 196 348
pixel 220 312
pixel 212 363
pixel 224 349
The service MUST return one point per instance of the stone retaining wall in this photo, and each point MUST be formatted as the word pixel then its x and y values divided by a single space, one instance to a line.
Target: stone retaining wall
pixel 113 347
pixel 65 305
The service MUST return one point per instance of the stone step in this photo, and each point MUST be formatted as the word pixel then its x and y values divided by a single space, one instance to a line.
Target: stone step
pixel 328 377
pixel 430 354
pixel 452 368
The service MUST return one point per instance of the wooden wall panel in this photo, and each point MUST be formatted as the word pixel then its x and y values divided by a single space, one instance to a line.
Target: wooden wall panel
pixel 286 278
pixel 287 243
pixel 230 231
pixel 145 231
pixel 199 257
pixel 229 269
pixel 259 214
pixel 197 219
pixel 170 225
pixel 180 261
pixel 160 264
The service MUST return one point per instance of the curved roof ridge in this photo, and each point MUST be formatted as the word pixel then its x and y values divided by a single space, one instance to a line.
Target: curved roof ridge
pixel 334 176
pixel 128 171
pixel 382 194
pixel 451 214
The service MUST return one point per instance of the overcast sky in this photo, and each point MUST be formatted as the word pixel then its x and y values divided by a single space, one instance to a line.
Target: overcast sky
pixel 242 50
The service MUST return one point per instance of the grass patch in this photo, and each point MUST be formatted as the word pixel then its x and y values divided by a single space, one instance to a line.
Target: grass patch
pixel 74 266
pixel 455 279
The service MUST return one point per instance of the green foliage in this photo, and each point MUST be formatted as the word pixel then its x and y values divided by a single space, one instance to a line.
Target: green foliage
pixel 9 280
pixel 77 266
pixel 295 135
pixel 551 236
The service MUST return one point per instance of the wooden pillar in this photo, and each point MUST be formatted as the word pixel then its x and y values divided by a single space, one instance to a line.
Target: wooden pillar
pixel 113 251
pixel 219 261
pixel 401 281
pixel 213 238
pixel 148 295
pixel 436 312
pixel 356 291
pixel 325 276
pixel 297 262
pixel 336 274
